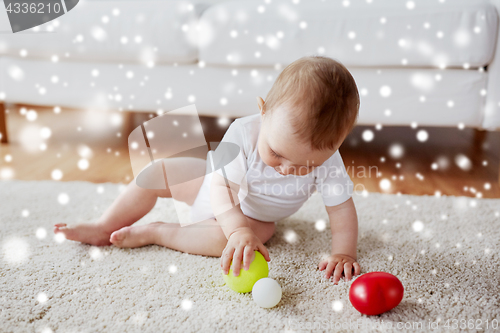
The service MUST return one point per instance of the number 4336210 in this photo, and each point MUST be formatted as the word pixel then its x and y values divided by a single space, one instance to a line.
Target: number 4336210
pixel 33 8
pixel 477 324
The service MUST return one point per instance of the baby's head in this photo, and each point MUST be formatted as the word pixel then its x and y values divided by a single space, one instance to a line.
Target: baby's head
pixel 310 109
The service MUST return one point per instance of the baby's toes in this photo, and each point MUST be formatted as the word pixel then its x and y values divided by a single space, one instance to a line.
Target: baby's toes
pixel 117 237
pixel 59 229
pixel 69 233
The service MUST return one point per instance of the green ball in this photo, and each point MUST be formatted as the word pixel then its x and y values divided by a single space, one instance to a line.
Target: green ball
pixel 244 282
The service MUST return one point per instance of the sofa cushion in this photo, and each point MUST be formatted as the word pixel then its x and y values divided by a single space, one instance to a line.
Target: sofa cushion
pixel 146 31
pixel 427 96
pixel 380 33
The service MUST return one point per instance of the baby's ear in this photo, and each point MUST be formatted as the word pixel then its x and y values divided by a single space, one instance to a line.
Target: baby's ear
pixel 260 103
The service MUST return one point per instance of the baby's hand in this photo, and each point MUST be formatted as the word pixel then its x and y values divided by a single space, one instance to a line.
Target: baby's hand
pixel 240 247
pixel 341 263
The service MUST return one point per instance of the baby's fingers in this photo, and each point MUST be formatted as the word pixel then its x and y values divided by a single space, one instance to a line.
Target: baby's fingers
pixel 264 252
pixel 248 257
pixel 357 269
pixel 338 272
pixel 237 257
pixel 348 271
pixel 226 257
pixel 322 265
pixel 329 269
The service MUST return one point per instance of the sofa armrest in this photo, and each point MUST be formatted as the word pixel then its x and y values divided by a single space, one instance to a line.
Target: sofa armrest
pixel 491 119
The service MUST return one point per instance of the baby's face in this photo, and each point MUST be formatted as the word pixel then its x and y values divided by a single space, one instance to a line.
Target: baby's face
pixel 280 148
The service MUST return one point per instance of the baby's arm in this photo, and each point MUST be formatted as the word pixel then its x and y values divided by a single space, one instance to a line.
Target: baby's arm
pixel 344 228
pixel 242 241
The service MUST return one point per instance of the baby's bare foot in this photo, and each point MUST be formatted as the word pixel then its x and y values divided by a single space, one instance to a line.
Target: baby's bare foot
pixel 136 236
pixel 88 233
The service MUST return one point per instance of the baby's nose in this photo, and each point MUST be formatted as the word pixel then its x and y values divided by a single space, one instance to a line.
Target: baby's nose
pixel 283 169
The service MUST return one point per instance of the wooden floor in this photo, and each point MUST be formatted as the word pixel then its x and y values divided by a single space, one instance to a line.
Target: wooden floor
pixel 77 135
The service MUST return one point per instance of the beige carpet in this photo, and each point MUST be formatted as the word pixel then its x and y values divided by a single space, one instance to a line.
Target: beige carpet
pixel 449 268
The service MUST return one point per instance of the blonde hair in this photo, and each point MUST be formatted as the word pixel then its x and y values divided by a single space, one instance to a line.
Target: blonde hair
pixel 325 95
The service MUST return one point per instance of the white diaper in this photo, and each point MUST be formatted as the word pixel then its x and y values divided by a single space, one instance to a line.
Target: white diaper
pixel 201 209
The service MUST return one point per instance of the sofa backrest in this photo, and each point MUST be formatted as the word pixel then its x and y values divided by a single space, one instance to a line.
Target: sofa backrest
pixel 147 31
pixel 382 33
pixel 429 33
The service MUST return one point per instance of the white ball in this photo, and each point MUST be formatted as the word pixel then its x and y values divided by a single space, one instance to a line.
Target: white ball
pixel 266 293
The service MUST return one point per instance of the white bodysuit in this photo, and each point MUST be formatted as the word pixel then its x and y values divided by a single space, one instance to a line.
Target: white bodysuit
pixel 271 196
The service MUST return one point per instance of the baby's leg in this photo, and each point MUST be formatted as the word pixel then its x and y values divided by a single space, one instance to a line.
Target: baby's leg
pixel 132 204
pixel 204 238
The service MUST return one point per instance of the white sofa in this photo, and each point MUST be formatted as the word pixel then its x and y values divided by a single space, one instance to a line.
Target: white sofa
pixel 433 62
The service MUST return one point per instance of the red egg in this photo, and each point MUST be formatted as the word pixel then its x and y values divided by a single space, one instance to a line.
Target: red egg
pixel 375 293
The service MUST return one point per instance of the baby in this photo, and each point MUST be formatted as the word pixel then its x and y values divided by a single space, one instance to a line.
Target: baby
pixel 287 151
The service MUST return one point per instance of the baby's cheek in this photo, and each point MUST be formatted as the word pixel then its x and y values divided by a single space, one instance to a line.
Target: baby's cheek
pixel 269 160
